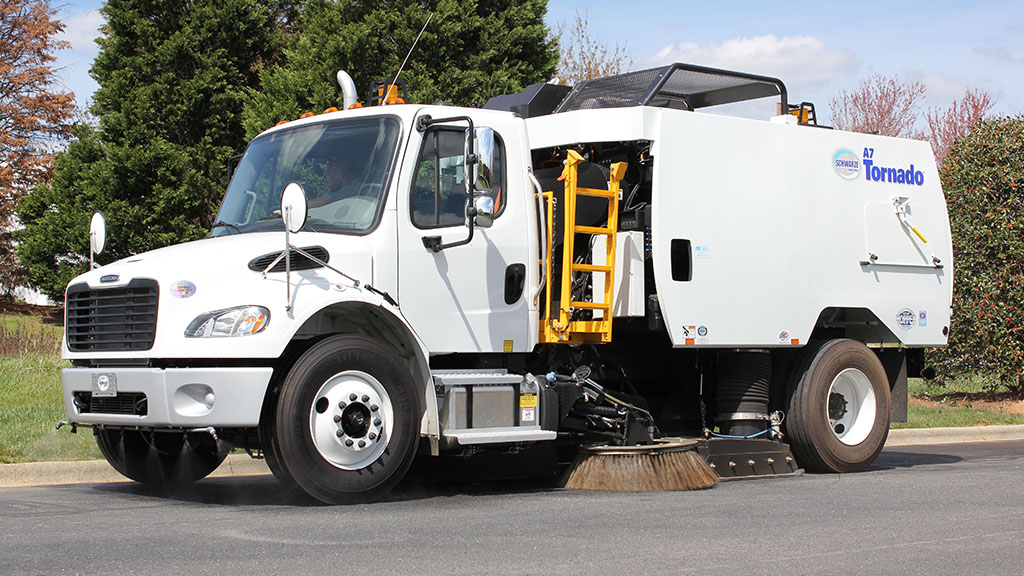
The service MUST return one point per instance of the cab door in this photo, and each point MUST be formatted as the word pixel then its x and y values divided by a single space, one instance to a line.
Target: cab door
pixel 473 297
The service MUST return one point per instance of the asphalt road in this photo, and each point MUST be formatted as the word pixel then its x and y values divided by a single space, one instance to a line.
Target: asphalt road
pixel 941 509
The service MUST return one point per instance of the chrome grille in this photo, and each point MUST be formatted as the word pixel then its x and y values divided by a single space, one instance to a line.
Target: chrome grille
pixel 119 319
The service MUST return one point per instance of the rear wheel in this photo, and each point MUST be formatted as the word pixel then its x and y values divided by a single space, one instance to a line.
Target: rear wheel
pixel 347 420
pixel 162 459
pixel 837 416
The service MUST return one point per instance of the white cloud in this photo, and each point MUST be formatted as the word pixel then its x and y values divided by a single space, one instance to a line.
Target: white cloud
pixel 81 28
pixel 939 89
pixel 802 61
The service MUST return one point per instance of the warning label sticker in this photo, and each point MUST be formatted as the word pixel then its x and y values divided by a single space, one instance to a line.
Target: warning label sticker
pixel 528 400
pixel 528 415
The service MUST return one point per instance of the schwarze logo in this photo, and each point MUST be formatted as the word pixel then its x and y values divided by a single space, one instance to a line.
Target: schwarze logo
pixel 905 318
pixel 846 164
pixel 875 173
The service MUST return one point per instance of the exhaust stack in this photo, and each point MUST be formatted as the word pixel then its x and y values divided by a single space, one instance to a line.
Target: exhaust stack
pixel 348 88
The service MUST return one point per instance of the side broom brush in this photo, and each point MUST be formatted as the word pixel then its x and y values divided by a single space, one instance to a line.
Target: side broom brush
pixel 664 466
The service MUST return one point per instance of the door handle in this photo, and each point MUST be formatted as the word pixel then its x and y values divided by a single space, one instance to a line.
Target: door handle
pixel 515 281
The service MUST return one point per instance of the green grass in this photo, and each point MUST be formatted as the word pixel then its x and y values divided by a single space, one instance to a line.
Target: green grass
pixel 954 417
pixel 955 409
pixel 30 407
pixel 30 394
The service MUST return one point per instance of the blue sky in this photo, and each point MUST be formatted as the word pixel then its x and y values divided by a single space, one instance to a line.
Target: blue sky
pixel 817 51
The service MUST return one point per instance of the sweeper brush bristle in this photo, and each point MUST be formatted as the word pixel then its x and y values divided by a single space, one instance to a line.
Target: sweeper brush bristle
pixel 661 467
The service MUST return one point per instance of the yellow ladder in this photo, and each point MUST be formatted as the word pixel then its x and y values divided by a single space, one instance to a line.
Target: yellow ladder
pixel 563 329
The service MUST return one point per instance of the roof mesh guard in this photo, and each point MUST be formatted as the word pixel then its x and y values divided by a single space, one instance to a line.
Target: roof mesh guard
pixel 680 86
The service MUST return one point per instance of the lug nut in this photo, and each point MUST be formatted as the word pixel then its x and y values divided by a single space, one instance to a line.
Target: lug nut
pixel 732 464
pixel 349 442
pixel 362 443
pixel 376 422
pixel 374 408
pixel 340 433
pixel 771 461
pixel 337 417
pixel 750 463
pixel 366 398
pixel 342 404
pixel 352 397
pixel 373 436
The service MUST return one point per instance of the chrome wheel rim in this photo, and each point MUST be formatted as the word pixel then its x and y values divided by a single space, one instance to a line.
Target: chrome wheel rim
pixel 351 420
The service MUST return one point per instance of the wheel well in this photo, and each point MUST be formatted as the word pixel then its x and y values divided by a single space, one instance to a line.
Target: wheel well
pixel 854 323
pixel 358 318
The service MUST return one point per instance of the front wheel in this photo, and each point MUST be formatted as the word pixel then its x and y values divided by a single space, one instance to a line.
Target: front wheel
pixel 837 416
pixel 347 420
pixel 161 459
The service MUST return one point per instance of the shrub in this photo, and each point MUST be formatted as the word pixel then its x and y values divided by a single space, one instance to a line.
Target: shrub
pixel 983 177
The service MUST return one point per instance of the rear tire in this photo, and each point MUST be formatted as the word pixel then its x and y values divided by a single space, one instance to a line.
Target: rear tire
pixel 160 459
pixel 347 420
pixel 837 415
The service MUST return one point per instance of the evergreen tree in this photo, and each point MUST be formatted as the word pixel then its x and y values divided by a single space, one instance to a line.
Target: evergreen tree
pixel 470 51
pixel 173 79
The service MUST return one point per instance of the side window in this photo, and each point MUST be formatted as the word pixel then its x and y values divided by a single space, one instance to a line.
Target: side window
pixel 439 191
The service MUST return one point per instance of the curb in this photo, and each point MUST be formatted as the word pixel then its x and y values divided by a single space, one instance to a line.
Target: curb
pixel 98 471
pixel 917 436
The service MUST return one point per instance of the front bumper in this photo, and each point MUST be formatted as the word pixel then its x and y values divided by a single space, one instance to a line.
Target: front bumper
pixel 173 397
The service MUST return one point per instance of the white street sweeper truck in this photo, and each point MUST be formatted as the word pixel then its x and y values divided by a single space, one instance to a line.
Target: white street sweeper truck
pixel 607 265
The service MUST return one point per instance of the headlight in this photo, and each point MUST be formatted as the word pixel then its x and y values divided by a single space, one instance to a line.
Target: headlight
pixel 240 321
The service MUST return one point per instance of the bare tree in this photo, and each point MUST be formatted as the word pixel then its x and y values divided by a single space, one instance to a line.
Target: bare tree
pixel 881 105
pixel 584 57
pixel 948 125
pixel 34 113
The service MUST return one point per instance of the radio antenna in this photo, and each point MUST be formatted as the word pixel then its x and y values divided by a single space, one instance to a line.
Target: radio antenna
pixel 400 68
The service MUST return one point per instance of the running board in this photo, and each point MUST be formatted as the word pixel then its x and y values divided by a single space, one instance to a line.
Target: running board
pixel 510 434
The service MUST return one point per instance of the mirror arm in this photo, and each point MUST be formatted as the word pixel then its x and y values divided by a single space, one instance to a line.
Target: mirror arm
pixel 433 243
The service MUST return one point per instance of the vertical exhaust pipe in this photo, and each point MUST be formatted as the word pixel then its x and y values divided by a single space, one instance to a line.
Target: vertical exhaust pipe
pixel 348 88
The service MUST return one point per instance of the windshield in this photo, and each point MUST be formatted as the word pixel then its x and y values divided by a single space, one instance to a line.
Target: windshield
pixel 343 166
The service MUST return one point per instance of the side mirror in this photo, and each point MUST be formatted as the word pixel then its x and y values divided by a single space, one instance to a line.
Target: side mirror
pixel 293 207
pixel 97 233
pixel 484 208
pixel 483 170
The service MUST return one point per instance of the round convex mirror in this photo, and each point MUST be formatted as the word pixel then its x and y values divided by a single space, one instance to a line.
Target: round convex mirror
pixel 293 207
pixel 97 233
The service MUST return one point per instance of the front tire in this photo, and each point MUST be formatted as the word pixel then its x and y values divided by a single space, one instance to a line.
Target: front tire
pixel 161 459
pixel 347 420
pixel 837 417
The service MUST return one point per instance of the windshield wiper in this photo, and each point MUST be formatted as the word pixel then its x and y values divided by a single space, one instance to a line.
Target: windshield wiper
pixel 228 225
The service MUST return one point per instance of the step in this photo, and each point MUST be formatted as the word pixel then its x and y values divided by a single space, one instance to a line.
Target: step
pixel 474 377
pixel 467 436
pixel 596 192
pixel 588 327
pixel 592 230
pixel 591 268
pixel 590 305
